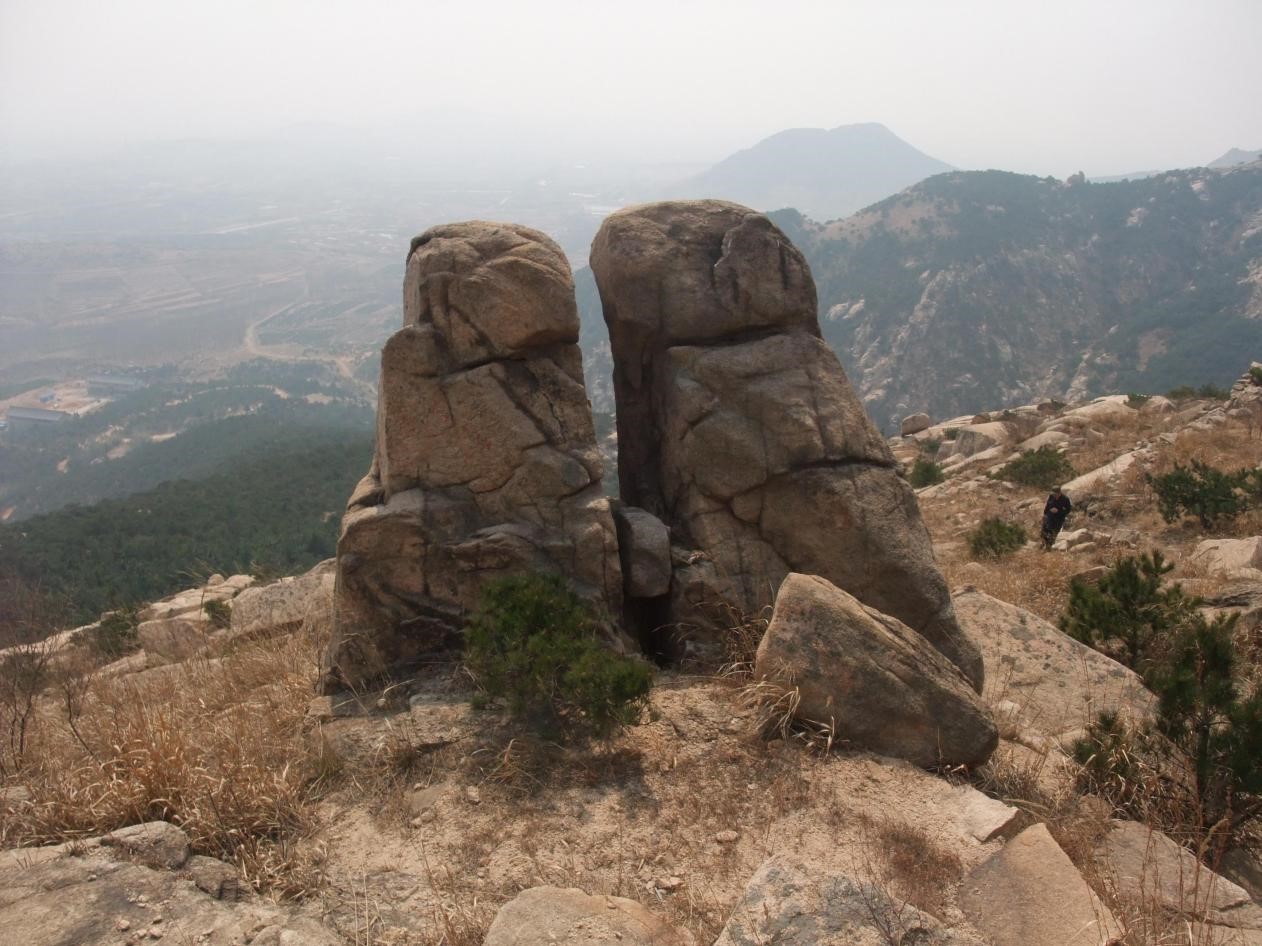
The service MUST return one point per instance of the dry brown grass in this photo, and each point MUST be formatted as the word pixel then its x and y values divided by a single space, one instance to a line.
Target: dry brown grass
pixel 217 747
pixel 915 867
pixel 1030 578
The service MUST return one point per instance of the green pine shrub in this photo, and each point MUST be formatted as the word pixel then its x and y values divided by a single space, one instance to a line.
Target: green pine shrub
pixel 1111 760
pixel 1211 495
pixel 1255 374
pixel 1136 401
pixel 995 538
pixel 1205 710
pixel 925 473
pixel 1128 613
pixel 219 613
pixel 1042 468
pixel 1197 768
pixel 951 433
pixel 536 645
pixel 115 636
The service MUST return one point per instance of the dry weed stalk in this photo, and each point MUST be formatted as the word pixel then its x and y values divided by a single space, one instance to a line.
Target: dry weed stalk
pixel 900 870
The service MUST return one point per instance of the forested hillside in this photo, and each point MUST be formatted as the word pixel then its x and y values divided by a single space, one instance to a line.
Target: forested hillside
pixel 277 514
pixel 175 429
pixel 979 288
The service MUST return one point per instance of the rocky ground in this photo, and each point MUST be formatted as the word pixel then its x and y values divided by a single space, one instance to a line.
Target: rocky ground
pixel 407 815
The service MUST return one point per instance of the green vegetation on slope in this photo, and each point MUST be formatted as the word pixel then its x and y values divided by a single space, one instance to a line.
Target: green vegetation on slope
pixel 1021 284
pixel 201 428
pixel 280 512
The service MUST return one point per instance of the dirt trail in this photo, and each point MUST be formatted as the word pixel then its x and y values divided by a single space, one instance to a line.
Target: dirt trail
pixel 344 364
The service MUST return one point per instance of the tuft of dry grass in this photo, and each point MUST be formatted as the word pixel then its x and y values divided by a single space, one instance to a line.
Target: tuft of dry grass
pixel 917 868
pixel 216 746
pixel 740 644
pixel 774 706
pixel 1030 578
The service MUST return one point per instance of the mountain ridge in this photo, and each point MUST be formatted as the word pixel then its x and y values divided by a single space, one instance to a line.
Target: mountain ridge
pixel 826 173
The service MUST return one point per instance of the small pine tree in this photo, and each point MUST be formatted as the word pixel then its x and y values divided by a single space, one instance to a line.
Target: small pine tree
pixel 534 643
pixel 1042 468
pixel 1208 721
pixel 1202 710
pixel 1210 494
pixel 1127 614
pixel 995 538
pixel 925 473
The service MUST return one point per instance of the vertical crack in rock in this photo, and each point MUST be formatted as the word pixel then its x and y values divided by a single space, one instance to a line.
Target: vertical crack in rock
pixel 485 459
pixel 742 324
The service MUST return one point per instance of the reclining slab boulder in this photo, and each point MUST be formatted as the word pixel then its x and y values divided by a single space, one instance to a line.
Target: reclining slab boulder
pixel 486 461
pixel 738 428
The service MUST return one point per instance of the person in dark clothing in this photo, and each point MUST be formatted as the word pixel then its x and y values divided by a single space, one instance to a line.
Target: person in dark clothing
pixel 1055 512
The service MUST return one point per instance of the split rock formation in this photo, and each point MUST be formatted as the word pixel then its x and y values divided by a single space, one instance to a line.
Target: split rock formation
pixel 737 427
pixel 486 461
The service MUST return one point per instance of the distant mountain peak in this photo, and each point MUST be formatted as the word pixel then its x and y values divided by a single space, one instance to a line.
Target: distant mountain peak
pixel 824 172
pixel 1236 156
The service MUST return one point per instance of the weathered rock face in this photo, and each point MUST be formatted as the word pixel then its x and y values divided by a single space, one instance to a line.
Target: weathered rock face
pixel 543 915
pixel 796 904
pixel 914 424
pixel 879 684
pixel 486 461
pixel 1147 867
pixel 1057 684
pixel 1030 894
pixel 738 428
pixel 133 886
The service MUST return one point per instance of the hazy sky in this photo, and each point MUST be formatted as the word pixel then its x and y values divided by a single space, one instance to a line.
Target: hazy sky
pixel 1105 86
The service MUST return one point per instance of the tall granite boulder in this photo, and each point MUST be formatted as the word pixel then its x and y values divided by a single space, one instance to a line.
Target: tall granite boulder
pixel 738 429
pixel 486 461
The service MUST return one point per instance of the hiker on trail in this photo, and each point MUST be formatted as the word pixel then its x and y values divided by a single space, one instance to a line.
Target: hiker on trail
pixel 1054 514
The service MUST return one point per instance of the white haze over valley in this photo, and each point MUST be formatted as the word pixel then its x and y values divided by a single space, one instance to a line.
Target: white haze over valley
pixel 1044 88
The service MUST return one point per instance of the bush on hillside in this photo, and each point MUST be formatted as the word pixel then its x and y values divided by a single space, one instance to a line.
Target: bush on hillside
pixel 951 433
pixel 1196 770
pixel 536 645
pixel 1128 613
pixel 1203 491
pixel 925 473
pixel 1136 401
pixel 115 636
pixel 1204 709
pixel 218 612
pixel 930 446
pixel 1203 753
pixel 995 538
pixel 1255 374
pixel 1042 468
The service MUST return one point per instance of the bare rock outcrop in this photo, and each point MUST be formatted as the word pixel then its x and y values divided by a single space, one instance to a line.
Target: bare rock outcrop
pixel 1147 868
pixel 1056 684
pixel 134 886
pixel 1030 894
pixel 797 904
pixel 543 915
pixel 876 683
pixel 738 429
pixel 486 460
